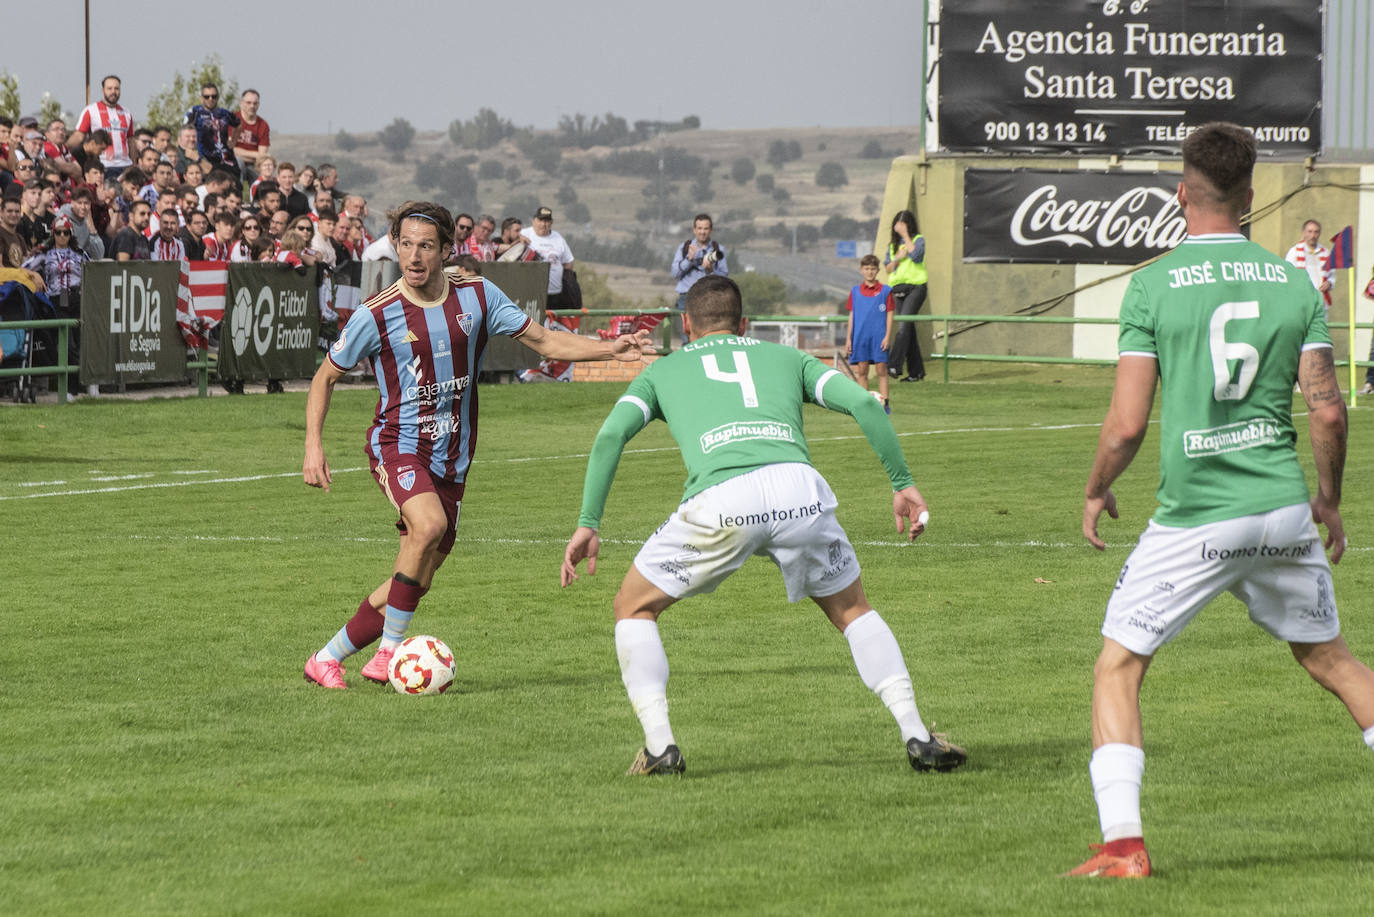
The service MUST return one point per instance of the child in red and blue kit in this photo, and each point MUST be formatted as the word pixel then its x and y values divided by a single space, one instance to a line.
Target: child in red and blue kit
pixel 869 334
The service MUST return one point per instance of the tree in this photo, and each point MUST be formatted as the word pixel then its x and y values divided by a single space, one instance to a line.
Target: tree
pixel 345 141
pixel 169 107
pixel 701 188
pixel 761 293
pixel 870 205
pixel 49 110
pixel 764 183
pixel 742 170
pixel 777 154
pixel 872 150
pixel 483 132
pixel 831 175
pixel 491 169
pixel 9 96
pixel 396 136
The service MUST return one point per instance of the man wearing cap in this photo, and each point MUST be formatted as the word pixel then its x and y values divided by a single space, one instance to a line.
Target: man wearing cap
pixel 550 246
pixel 110 116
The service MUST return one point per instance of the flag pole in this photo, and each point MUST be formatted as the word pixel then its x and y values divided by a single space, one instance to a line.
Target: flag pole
pixel 1350 273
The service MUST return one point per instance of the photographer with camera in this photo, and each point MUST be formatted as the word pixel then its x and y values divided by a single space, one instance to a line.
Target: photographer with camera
pixel 696 258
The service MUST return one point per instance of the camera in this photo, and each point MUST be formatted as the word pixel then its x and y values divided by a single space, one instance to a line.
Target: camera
pixel 712 257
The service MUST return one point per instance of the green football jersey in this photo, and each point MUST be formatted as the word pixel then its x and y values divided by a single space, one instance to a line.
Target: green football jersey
pixel 1227 322
pixel 733 404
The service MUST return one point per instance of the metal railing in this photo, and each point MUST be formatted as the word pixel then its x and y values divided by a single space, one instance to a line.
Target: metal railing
pixel 946 336
pixel 62 369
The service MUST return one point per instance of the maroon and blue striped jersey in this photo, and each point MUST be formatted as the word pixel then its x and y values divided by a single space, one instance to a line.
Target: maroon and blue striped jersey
pixel 426 357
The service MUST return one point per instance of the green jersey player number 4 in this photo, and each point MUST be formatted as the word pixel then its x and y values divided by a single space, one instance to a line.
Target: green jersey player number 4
pixel 734 406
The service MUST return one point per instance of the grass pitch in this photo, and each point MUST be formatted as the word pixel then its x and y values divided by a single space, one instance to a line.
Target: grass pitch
pixel 168 573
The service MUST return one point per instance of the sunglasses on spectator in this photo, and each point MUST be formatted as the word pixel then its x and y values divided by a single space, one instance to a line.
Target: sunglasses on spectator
pixel 62 232
pixel 209 95
pixel 24 167
pixel 464 225
pixel 251 226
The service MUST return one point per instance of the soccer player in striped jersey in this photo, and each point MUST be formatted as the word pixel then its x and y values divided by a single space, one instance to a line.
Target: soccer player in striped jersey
pixel 424 336
pixel 1223 328
pixel 734 405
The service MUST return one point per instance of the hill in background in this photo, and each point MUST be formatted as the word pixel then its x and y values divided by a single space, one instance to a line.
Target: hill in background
pixel 624 207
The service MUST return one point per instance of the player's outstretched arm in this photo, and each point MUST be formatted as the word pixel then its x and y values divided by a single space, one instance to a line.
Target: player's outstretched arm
pixel 315 467
pixel 628 348
pixel 1123 430
pixel 584 543
pixel 908 506
pixel 1327 422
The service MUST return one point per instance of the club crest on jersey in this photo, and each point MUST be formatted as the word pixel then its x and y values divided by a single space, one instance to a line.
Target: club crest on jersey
pixel 465 322
pixel 342 341
pixel 406 479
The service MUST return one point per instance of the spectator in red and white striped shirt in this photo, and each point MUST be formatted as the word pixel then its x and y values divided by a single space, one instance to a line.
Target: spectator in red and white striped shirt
pixel 166 245
pixel 219 244
pixel 55 151
pixel 109 115
pixel 480 244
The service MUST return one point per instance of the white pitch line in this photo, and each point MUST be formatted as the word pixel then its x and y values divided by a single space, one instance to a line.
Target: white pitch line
pixel 924 542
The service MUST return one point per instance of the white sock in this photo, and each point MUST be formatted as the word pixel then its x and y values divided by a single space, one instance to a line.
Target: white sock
pixel 879 661
pixel 1116 770
pixel 1369 737
pixel 644 669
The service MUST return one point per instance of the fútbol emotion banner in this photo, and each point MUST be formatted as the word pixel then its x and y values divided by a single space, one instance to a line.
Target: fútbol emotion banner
pixel 271 324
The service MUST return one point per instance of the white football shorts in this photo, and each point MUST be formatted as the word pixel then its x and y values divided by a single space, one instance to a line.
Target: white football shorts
pixel 1273 562
pixel 785 512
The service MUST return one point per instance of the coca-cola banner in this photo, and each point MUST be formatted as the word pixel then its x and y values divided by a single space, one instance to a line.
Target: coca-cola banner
pixel 1070 217
pixel 1127 76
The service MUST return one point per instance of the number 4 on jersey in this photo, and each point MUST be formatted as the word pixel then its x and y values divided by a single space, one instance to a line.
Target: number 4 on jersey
pixel 741 376
pixel 1223 351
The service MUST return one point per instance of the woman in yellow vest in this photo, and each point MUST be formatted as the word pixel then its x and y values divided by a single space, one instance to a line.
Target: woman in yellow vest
pixel 906 273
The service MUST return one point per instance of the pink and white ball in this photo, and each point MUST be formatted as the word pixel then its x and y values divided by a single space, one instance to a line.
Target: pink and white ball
pixel 422 665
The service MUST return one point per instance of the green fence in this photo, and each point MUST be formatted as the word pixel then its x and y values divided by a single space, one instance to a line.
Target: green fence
pixel 62 369
pixel 945 320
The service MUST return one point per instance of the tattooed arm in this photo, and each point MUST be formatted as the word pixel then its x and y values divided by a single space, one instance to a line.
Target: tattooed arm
pixel 1326 424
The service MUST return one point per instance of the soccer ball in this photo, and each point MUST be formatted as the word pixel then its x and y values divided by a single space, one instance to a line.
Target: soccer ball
pixel 421 665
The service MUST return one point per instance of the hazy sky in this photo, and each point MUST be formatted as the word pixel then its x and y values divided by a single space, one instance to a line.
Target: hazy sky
pixel 357 65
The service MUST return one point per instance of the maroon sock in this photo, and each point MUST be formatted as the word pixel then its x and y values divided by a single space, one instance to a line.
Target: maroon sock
pixel 366 625
pixel 404 596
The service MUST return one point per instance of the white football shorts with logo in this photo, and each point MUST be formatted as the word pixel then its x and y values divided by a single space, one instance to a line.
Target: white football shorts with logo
pixel 784 512
pixel 1273 562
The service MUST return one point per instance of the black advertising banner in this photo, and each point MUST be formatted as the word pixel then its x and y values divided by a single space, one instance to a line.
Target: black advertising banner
pixel 271 323
pixel 1127 76
pixel 1032 215
pixel 526 284
pixel 129 323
